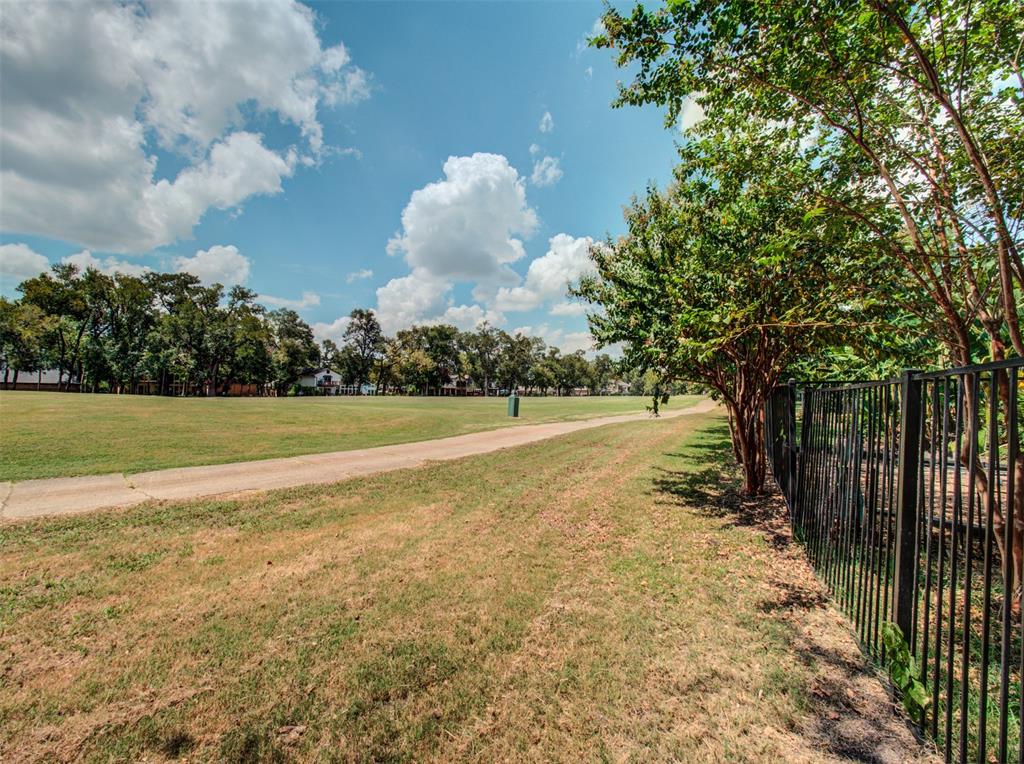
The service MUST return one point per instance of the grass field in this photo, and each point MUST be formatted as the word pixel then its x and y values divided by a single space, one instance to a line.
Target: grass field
pixel 57 435
pixel 601 597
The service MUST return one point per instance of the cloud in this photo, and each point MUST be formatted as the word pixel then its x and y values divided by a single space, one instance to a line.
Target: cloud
pixel 365 273
pixel 547 123
pixel 549 277
pixel 219 264
pixel 589 72
pixel 465 227
pixel 108 265
pixel 90 90
pixel 467 317
pixel 691 115
pixel 308 300
pixel 411 299
pixel 567 342
pixel 597 28
pixel 333 331
pixel 534 149
pixel 546 172
pixel 568 309
pixel 19 262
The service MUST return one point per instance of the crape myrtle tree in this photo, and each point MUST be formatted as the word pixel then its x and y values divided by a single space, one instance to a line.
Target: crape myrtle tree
pixel 916 114
pixel 725 278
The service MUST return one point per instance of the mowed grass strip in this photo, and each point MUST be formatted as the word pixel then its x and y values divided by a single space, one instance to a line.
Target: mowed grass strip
pixel 585 598
pixel 60 434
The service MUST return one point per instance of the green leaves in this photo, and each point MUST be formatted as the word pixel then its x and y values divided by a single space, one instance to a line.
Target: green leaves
pixel 904 671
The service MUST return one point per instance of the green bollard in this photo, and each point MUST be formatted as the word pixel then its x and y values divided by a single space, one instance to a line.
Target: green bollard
pixel 513 405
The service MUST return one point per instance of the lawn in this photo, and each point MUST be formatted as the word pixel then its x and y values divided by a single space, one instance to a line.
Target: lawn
pixel 602 596
pixel 57 435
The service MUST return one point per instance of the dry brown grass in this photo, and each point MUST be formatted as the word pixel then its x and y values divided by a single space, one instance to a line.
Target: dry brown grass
pixel 599 596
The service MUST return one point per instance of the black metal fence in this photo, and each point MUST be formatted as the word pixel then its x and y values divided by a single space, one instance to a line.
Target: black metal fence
pixel 909 497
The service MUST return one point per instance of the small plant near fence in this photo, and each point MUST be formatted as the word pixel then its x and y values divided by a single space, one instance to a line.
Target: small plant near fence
pixel 904 671
pixel 907 496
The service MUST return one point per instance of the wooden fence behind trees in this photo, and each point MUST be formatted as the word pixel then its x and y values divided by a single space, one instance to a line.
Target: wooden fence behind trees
pixel 908 495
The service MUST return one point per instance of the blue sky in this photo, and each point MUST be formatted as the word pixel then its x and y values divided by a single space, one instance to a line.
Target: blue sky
pixel 158 161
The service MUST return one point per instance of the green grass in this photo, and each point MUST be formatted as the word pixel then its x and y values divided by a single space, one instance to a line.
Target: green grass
pixel 57 435
pixel 594 598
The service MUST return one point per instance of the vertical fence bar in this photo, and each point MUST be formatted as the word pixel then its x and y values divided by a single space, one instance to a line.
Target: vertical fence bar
pixel 1006 654
pixel 904 594
pixel 989 515
pixel 906 496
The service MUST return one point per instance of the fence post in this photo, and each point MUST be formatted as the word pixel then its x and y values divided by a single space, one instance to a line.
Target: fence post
pixel 903 593
pixel 791 446
pixel 805 431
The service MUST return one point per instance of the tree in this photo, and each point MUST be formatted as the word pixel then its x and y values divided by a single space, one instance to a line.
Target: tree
pixel 23 332
pixel 912 112
pixel 128 305
pixel 725 279
pixel 515 358
pixel 573 370
pixel 329 354
pixel 914 117
pixel 546 369
pixel 60 294
pixel 293 348
pixel 601 370
pixel 365 341
pixel 481 348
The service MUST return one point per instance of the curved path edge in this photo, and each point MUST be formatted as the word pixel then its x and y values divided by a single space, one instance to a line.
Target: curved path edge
pixel 63 496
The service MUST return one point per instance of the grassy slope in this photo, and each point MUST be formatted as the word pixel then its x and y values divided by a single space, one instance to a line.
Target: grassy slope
pixel 56 435
pixel 590 599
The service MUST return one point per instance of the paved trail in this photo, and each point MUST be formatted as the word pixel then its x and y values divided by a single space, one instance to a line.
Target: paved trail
pixel 63 496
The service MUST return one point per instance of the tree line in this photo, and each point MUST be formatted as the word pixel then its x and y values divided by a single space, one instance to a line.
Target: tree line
pixel 112 332
pixel 850 204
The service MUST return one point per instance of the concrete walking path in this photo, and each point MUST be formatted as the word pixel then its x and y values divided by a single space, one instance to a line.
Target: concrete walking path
pixel 62 496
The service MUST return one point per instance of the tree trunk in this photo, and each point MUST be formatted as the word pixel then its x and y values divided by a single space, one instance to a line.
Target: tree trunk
pixel 747 430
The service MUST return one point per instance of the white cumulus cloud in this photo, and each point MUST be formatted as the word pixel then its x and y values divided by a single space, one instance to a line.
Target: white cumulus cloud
pixel 567 342
pixel 467 317
pixel 308 300
pixel 546 172
pixel 359 275
pixel 335 330
pixel 411 299
pixel 691 115
pixel 219 264
pixel 549 276
pixel 19 262
pixel 547 123
pixel 90 89
pixel 568 309
pixel 466 226
pixel 107 265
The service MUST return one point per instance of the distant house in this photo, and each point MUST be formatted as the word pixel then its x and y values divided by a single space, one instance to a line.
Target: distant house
pixel 325 380
pixel 43 379
pixel 617 387
pixel 457 386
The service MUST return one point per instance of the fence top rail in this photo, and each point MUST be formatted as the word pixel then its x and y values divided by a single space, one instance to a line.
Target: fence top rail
pixel 1009 363
pixel 828 386
pixel 854 385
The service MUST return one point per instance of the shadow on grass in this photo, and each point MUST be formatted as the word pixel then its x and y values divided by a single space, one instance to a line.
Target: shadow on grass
pixel 708 483
pixel 848 714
